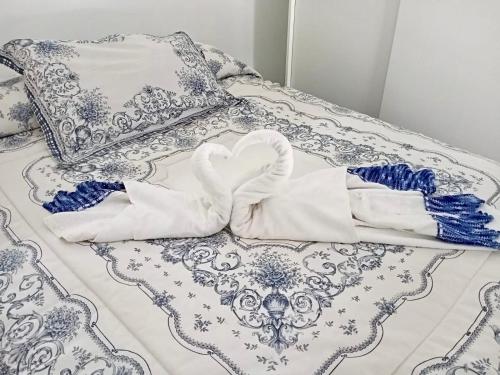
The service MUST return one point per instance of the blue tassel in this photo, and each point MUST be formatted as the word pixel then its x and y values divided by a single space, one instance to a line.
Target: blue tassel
pixel 454 204
pixel 456 230
pixel 475 220
pixel 459 220
pixel 398 177
pixel 87 194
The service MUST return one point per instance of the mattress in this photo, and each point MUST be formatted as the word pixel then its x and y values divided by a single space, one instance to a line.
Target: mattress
pixel 224 304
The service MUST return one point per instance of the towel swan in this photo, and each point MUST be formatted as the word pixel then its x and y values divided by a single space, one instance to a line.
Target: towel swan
pixel 142 210
pixel 384 204
pixel 270 206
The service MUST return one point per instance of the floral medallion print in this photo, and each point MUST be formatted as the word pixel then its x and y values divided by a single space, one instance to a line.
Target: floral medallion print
pixel 78 120
pixel 42 328
pixel 477 351
pixel 16 114
pixel 268 305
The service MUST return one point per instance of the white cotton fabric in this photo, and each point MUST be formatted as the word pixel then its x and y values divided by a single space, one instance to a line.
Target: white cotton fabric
pixel 149 211
pixel 270 206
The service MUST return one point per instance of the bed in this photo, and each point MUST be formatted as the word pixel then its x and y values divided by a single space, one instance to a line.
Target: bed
pixel 223 304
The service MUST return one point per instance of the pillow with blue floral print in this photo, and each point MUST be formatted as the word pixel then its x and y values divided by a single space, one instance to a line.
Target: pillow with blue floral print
pixel 16 114
pixel 90 95
pixel 224 65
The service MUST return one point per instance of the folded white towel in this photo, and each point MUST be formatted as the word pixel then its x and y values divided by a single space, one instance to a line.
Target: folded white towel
pixel 147 211
pixel 332 205
pixel 270 206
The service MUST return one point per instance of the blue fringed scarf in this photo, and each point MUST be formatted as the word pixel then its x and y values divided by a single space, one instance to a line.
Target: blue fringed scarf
pixel 87 194
pixel 458 217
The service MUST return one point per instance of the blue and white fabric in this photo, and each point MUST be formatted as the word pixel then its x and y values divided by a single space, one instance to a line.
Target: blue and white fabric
pixel 16 114
pixel 224 65
pixel 89 96
pixel 229 305
pixel 327 205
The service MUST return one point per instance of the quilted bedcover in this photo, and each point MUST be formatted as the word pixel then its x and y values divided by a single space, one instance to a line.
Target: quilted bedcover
pixel 223 304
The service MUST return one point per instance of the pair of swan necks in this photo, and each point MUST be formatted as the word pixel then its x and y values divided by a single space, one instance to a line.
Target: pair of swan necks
pixel 237 206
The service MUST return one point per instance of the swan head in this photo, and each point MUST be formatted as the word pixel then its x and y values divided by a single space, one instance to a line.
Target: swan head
pixel 202 166
pixel 264 136
pixel 206 150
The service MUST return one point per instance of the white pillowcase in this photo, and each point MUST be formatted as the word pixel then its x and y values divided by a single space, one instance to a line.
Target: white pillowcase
pixel 16 114
pixel 91 95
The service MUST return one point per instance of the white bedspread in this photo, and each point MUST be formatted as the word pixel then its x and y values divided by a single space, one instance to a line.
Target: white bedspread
pixel 225 305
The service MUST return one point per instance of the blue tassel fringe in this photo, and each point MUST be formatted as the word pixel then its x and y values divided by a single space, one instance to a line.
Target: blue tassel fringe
pixel 454 204
pixel 460 221
pixel 457 216
pixel 87 194
pixel 398 177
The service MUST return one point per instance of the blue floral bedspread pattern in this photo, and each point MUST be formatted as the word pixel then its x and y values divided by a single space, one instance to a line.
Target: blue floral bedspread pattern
pixel 45 329
pixel 478 350
pixel 265 306
pixel 255 306
pixel 20 140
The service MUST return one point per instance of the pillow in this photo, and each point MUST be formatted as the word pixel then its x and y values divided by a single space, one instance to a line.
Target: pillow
pixel 16 114
pixel 223 65
pixel 90 95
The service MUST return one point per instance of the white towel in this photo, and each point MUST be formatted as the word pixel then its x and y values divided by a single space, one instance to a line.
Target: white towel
pixel 270 206
pixel 332 205
pixel 148 211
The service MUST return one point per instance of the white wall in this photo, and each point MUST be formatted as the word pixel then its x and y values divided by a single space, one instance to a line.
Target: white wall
pixel 235 26
pixel 341 50
pixel 444 73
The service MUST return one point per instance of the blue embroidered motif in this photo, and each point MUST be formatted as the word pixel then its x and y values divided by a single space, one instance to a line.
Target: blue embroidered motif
pixel 87 194
pixel 398 177
pixel 457 216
